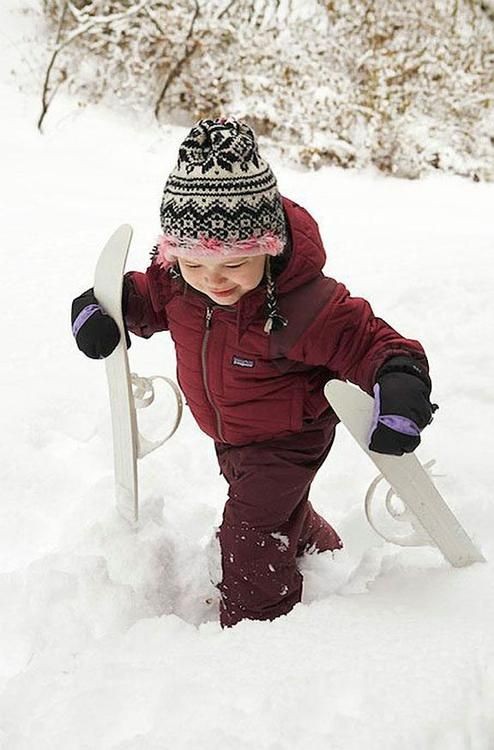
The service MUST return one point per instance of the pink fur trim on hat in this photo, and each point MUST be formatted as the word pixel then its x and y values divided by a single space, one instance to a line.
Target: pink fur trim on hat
pixel 170 247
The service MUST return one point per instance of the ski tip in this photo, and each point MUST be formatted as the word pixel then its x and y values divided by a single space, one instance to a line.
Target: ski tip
pixel 124 229
pixel 122 234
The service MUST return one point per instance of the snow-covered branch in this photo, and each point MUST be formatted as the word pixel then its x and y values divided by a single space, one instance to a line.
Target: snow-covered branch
pixel 404 87
pixel 190 45
pixel 82 28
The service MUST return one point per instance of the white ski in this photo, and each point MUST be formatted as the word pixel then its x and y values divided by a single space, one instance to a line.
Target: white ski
pixel 431 517
pixel 128 443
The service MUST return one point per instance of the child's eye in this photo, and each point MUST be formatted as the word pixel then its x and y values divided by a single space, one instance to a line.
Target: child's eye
pixel 237 265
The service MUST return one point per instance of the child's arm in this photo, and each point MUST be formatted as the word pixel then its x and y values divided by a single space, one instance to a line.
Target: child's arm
pixel 144 300
pixel 144 297
pixel 346 337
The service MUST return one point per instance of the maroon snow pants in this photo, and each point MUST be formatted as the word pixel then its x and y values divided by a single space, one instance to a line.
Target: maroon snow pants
pixel 268 521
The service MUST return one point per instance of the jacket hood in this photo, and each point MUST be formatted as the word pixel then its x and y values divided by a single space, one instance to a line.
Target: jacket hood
pixel 308 256
pixel 307 259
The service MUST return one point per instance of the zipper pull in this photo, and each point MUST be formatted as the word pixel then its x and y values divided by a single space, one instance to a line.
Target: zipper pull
pixel 209 315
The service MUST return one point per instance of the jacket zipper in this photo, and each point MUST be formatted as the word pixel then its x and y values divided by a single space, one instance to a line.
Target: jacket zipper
pixel 209 315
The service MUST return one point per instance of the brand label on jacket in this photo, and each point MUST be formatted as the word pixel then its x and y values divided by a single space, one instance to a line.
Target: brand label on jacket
pixel 242 362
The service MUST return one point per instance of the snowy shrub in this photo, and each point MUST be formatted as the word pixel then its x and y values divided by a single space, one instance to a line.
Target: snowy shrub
pixel 405 86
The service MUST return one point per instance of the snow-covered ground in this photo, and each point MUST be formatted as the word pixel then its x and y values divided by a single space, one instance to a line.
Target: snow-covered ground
pixel 106 639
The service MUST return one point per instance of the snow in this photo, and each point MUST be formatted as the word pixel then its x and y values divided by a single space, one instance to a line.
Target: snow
pixel 108 635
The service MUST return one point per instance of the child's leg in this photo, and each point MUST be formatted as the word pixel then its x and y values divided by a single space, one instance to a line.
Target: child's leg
pixel 317 534
pixel 268 522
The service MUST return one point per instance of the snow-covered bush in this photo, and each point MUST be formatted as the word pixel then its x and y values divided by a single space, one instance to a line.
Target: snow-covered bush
pixel 405 86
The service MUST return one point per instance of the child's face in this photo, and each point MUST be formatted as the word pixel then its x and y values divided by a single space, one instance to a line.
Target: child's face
pixel 224 280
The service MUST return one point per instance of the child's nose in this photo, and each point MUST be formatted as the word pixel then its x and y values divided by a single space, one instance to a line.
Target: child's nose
pixel 214 277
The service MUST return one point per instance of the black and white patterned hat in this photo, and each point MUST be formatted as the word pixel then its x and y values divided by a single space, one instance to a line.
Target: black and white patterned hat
pixel 222 197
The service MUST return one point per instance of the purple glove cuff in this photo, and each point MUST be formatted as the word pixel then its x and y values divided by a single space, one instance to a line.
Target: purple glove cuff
pixel 85 313
pixel 399 424
pixel 393 421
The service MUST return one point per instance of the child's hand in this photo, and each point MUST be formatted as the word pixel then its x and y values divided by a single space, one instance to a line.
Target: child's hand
pixel 96 333
pixel 402 407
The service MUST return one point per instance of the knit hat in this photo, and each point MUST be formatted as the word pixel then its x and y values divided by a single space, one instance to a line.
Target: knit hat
pixel 222 198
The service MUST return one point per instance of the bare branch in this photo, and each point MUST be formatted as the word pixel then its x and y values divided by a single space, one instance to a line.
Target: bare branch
pixel 226 9
pixel 45 99
pixel 175 71
pixel 155 21
pixel 59 46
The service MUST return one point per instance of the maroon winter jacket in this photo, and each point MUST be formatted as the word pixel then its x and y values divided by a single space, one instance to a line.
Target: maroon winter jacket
pixel 243 385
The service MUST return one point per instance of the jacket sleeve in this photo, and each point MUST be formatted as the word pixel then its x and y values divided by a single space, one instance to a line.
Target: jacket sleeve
pixel 145 297
pixel 351 342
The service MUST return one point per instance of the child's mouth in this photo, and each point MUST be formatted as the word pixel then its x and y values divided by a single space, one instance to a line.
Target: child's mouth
pixel 222 293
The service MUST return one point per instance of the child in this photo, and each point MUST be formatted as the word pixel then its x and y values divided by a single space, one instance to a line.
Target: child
pixel 237 279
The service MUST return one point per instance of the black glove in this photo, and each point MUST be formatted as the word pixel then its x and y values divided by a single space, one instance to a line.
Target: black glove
pixel 402 407
pixel 96 333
